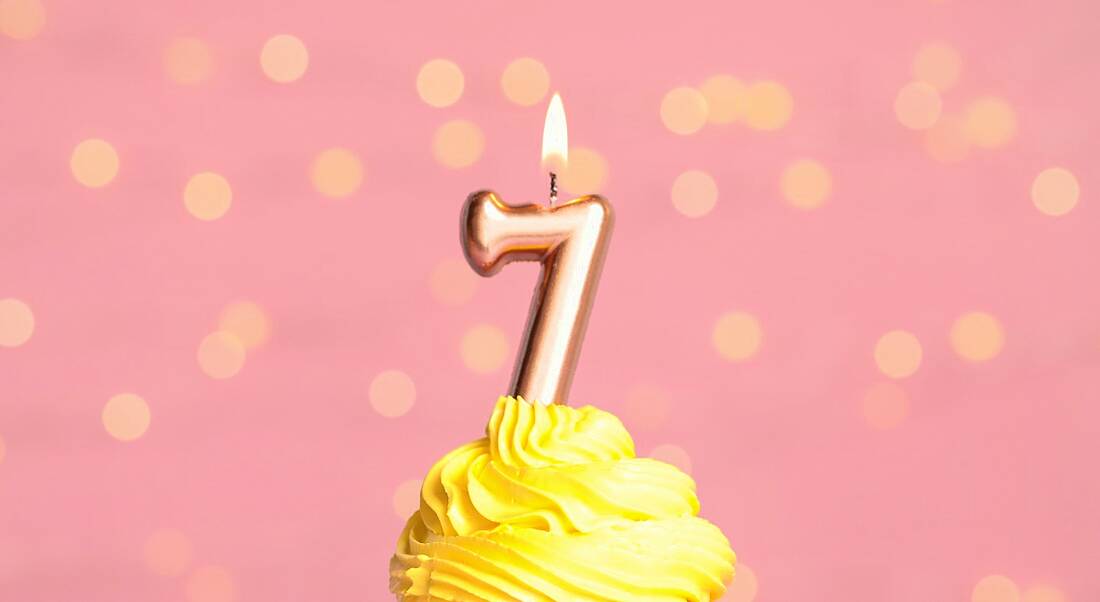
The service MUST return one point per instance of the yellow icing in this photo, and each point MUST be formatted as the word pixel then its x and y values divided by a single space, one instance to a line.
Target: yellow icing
pixel 553 505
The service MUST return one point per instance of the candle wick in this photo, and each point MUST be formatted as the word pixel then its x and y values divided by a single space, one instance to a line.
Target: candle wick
pixel 553 188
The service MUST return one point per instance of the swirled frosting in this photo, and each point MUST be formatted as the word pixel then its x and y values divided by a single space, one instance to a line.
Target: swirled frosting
pixel 553 505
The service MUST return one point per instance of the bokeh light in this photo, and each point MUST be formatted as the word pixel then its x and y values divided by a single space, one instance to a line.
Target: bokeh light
pixel 586 172
pixel 918 105
pixel 946 141
pixel 22 19
pixel 221 355
pixel 806 184
pixel 1043 593
pixel 211 584
pixel 885 405
pixel 737 336
pixel 995 588
pixel 126 416
pixel 247 321
pixel 684 110
pixel 990 122
pixel 977 336
pixel 727 98
pixel 207 195
pixel 168 552
pixel 484 348
pixel 898 354
pixel 392 393
pixel 406 498
pixel 645 406
pixel 336 173
pixel 938 64
pixel 744 585
pixel 769 106
pixel 672 454
pixel 694 193
pixel 458 143
pixel 1055 191
pixel 452 282
pixel 284 58
pixel 439 83
pixel 187 60
pixel 94 163
pixel 525 81
pixel 16 322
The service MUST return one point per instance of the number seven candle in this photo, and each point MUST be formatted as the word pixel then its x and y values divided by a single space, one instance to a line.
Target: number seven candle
pixel 570 240
pixel 552 503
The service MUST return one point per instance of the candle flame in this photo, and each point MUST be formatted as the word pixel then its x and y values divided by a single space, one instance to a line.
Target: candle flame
pixel 555 137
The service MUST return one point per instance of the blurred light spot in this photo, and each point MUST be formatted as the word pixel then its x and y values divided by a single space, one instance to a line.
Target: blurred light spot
pixel 125 416
pixel 937 63
pixel 458 143
pixel 694 193
pixel 16 322
pixel 284 58
pixel 727 98
pixel 406 498
pixel 484 348
pixel 737 336
pixel 885 405
pixel 187 60
pixel 3 450
pixel 336 173
pixel 806 184
pixel 22 19
pixel 94 163
pixel 168 552
pixel 898 354
pixel 1055 191
pixel 672 454
pixel 990 122
pixel 221 355
pixel 946 141
pixel 646 406
pixel 977 336
pixel 525 81
pixel 743 587
pixel 995 588
pixel 769 106
pixel 439 83
pixel 247 321
pixel 452 282
pixel 207 196
pixel 684 110
pixel 918 105
pixel 1043 593
pixel 211 584
pixel 392 393
pixel 586 172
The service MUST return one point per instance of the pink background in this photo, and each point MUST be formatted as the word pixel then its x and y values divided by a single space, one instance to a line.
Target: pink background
pixel 284 475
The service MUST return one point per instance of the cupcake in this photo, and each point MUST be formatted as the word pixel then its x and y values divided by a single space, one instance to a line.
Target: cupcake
pixel 553 505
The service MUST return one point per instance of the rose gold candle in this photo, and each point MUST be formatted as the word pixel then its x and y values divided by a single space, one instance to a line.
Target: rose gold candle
pixel 570 240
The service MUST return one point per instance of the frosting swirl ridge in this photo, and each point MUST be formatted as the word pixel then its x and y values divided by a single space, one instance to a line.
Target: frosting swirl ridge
pixel 553 505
